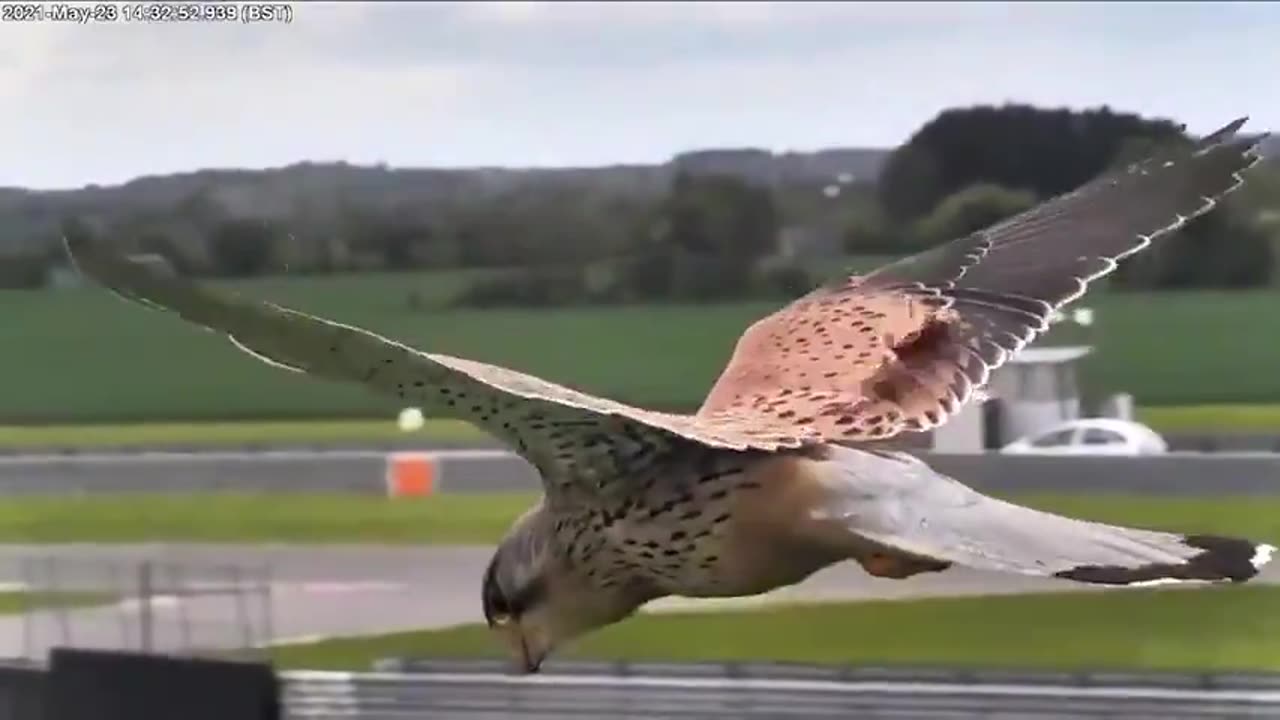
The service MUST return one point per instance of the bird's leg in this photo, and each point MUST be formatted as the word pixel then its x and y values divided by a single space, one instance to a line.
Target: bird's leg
pixel 884 562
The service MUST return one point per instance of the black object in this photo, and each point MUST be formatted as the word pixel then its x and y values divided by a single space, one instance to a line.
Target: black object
pixel 21 692
pixel 109 685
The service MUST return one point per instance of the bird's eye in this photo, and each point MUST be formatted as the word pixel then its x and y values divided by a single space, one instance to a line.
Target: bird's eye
pixel 497 611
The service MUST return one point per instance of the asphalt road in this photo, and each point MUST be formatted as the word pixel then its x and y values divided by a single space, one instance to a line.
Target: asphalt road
pixel 488 470
pixel 343 590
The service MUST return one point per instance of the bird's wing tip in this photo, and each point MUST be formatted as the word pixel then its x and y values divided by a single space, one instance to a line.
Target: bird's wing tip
pixel 1223 134
pixel 1231 128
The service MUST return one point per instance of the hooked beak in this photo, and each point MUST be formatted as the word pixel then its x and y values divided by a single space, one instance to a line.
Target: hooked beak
pixel 530 663
pixel 527 660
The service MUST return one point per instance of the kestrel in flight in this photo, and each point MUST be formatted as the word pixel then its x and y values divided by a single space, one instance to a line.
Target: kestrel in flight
pixel 780 472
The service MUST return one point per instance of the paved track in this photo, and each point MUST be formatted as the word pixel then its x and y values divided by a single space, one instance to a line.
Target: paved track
pixel 488 470
pixel 348 590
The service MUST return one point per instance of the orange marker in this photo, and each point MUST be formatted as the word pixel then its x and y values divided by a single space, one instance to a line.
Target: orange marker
pixel 410 474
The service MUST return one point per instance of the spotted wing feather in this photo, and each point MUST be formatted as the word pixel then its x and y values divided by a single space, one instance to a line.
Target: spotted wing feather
pixel 904 347
pixel 817 363
pixel 578 441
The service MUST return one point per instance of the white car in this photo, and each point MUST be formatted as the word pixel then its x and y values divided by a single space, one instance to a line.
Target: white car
pixel 1091 436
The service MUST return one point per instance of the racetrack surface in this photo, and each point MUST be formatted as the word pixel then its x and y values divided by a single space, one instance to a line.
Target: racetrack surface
pixel 326 591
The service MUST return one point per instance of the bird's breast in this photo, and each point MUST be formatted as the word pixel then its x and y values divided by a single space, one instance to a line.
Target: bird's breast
pixel 722 527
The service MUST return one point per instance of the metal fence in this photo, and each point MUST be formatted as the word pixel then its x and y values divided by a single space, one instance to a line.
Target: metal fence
pixel 147 605
pixel 684 692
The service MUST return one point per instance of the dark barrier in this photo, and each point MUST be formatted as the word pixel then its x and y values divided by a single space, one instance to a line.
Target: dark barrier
pixel 85 685
pixel 502 471
pixel 21 692
pixel 108 473
pixel 692 692
pixel 103 685
pixel 1223 442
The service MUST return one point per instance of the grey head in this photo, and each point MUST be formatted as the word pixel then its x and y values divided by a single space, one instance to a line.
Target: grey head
pixel 535 599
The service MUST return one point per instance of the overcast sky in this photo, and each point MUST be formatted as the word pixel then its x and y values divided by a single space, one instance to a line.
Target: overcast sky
pixel 438 84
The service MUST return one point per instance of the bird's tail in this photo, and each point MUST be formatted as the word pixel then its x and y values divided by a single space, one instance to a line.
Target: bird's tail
pixel 899 502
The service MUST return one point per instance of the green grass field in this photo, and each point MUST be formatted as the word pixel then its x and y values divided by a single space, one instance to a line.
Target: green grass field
pixel 83 356
pixel 476 519
pixel 80 355
pixel 1219 628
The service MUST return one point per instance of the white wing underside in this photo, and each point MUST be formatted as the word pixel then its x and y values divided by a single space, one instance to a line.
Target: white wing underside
pixel 898 501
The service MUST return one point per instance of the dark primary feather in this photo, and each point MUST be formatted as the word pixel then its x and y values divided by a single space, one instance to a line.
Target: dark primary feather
pixel 1220 558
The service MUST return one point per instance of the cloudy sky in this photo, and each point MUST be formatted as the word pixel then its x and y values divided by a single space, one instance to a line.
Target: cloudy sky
pixel 438 84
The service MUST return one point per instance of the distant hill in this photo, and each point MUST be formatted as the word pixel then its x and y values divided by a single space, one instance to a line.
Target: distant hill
pixel 793 167
pixel 28 217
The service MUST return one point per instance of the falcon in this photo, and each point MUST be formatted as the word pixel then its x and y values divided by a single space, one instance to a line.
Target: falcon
pixel 784 469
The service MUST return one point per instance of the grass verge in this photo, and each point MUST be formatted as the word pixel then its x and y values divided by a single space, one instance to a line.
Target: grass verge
pixel 1219 628
pixel 235 518
pixel 16 603
pixel 105 436
pixel 445 519
pixel 1218 418
pixel 232 434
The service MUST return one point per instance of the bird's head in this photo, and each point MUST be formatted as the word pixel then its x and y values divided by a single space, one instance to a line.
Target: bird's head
pixel 535 601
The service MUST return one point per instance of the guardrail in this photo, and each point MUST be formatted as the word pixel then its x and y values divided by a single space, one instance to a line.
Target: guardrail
pixel 1223 442
pixel 645 691
pixel 780 692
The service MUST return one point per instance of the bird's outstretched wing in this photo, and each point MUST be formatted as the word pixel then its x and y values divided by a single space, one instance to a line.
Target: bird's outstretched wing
pixel 579 442
pixel 903 347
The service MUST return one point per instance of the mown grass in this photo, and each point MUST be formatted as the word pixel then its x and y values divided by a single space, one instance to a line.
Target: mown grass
pixel 1186 348
pixel 246 518
pixel 17 602
pixel 1219 628
pixel 236 434
pixel 80 355
pixel 438 432
pixel 1225 418
pixel 453 519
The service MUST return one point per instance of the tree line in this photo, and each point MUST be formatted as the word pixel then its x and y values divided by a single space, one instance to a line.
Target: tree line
pixel 700 233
